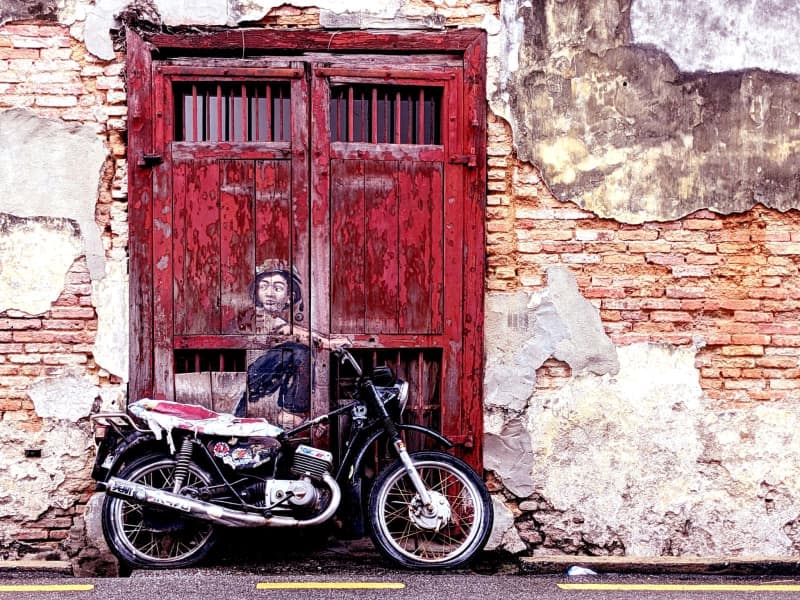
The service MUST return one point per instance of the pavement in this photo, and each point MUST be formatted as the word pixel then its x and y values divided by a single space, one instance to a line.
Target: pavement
pixel 262 556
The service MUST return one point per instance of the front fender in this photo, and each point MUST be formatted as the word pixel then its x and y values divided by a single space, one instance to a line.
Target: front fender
pixel 350 467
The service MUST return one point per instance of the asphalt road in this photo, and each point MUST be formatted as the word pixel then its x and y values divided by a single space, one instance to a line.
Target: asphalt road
pixel 271 568
pixel 394 585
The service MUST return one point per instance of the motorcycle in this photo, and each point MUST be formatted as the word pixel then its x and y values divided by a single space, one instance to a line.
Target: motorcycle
pixel 174 473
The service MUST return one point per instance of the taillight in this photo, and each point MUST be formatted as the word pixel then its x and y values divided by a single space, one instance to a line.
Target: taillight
pixel 100 432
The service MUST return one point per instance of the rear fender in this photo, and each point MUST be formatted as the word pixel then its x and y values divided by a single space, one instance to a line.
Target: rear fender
pixel 110 458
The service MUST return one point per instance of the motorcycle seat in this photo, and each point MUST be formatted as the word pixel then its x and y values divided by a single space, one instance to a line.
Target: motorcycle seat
pixel 163 415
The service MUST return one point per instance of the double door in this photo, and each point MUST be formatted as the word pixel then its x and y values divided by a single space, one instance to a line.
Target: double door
pixel 302 202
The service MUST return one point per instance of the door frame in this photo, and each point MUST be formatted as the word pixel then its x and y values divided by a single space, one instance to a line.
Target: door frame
pixel 467 43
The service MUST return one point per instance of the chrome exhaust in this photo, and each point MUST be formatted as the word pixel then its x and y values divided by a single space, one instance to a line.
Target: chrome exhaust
pixel 206 511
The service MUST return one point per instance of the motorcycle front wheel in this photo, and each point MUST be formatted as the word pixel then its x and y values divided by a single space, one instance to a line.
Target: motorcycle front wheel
pixel 152 537
pixel 404 533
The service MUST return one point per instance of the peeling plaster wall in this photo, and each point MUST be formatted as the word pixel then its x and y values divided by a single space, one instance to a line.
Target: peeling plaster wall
pixel 636 463
pixel 618 128
pixel 32 488
pixel 30 280
pixel 51 168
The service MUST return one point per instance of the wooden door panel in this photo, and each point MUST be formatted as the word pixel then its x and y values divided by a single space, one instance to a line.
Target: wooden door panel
pixel 348 246
pixel 387 253
pixel 381 247
pixel 236 240
pixel 421 247
pixel 196 240
pixel 273 210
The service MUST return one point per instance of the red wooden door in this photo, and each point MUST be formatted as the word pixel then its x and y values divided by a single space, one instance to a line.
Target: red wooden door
pixel 389 188
pixel 231 243
pixel 306 198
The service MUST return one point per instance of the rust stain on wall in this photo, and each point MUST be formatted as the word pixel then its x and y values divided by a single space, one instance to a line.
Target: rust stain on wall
pixel 621 131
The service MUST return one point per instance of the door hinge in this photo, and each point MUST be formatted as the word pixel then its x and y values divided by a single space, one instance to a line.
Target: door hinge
pixel 471 160
pixel 466 440
pixel 150 160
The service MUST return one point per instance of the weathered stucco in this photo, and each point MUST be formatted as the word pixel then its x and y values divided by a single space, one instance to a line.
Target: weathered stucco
pixel 394 14
pixel 619 129
pixel 721 36
pixel 523 330
pixel 637 463
pixel 18 10
pixel 110 297
pixel 52 168
pixel 29 487
pixel 69 397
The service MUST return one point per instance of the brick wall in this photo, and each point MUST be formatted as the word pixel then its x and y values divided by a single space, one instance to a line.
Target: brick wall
pixel 43 68
pixel 726 283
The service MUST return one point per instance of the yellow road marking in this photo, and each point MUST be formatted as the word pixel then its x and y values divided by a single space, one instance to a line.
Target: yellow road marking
pixel 52 587
pixel 681 587
pixel 330 585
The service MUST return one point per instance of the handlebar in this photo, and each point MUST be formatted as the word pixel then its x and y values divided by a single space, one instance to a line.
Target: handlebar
pixel 345 357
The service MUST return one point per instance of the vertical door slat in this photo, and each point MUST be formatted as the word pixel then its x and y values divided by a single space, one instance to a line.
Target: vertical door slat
pixel 236 191
pixel 381 268
pixel 269 113
pixel 350 114
pixel 347 246
pixel 374 113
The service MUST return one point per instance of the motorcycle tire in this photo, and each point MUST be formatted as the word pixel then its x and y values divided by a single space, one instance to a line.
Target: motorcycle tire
pixel 402 532
pixel 151 537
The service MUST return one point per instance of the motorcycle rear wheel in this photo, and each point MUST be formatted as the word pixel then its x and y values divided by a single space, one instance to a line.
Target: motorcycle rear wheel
pixel 150 537
pixel 397 533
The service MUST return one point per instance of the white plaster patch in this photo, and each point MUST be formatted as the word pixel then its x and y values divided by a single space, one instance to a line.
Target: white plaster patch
pixel 101 17
pixel 524 330
pixel 112 399
pixel 50 168
pixel 110 297
pixel 31 487
pixel 67 397
pixel 30 279
pixel 709 35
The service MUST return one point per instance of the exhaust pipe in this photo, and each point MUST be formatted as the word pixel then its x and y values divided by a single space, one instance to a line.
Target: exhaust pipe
pixel 206 511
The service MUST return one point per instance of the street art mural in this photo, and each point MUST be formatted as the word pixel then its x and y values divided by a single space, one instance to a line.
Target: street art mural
pixel 281 377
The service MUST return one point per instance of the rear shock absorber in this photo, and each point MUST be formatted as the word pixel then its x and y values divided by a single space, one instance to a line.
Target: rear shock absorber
pixel 182 459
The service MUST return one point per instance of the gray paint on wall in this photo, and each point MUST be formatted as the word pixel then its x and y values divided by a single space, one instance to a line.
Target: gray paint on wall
pixel 619 129
pixel 714 36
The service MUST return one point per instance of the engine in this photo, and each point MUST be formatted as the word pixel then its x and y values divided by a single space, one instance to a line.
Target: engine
pixel 246 454
pixel 311 462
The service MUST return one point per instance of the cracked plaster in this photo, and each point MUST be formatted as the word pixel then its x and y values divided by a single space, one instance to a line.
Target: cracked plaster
pixel 69 397
pixel 523 330
pixel 65 162
pixel 31 487
pixel 31 280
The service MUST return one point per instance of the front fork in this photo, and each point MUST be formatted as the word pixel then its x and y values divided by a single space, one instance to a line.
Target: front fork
pixel 399 446
pixel 413 474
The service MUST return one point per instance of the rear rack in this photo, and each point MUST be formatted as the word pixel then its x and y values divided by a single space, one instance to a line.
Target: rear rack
pixel 116 421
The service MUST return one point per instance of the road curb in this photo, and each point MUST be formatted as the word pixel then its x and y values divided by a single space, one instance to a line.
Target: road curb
pixel 51 567
pixel 549 565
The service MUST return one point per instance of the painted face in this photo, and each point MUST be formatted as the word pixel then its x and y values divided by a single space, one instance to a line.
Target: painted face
pixel 273 293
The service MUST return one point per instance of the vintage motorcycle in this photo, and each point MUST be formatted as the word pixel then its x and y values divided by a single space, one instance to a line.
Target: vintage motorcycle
pixel 173 473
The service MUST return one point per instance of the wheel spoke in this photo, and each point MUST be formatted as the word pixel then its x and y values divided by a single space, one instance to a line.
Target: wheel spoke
pixel 407 529
pixel 156 536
